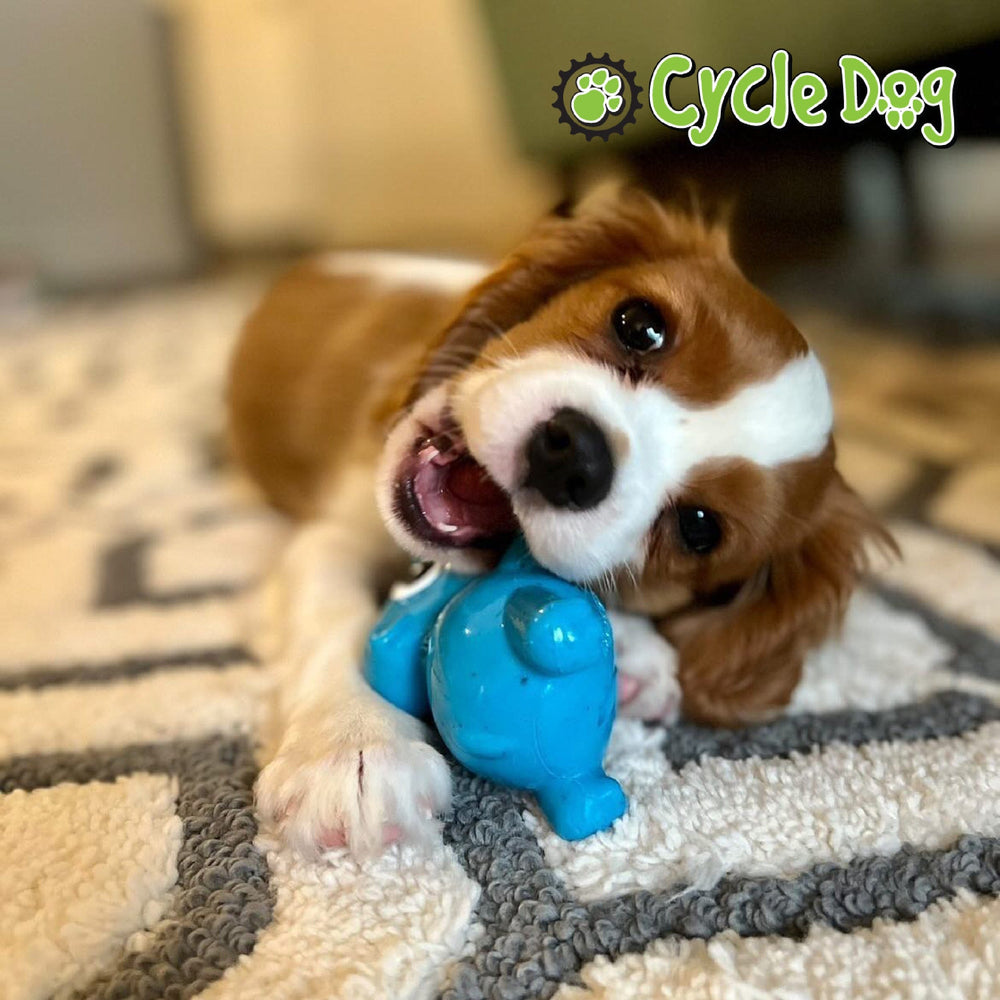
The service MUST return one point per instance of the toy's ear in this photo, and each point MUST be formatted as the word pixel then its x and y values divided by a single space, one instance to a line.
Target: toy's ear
pixel 555 635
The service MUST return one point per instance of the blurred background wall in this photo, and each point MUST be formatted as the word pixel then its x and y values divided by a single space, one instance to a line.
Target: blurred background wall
pixel 350 122
pixel 143 138
pixel 91 163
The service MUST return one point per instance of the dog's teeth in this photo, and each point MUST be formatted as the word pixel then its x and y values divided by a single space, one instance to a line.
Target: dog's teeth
pixel 447 450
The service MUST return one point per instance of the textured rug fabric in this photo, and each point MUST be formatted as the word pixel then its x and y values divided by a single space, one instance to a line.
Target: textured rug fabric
pixel 850 849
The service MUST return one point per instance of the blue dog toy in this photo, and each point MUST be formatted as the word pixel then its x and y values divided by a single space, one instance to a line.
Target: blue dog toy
pixel 517 670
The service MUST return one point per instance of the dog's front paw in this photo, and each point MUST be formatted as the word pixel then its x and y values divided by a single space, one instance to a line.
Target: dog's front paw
pixel 647 670
pixel 351 780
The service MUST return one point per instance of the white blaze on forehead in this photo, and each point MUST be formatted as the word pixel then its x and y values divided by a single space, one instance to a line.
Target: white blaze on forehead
pixel 406 270
pixel 656 440
pixel 782 419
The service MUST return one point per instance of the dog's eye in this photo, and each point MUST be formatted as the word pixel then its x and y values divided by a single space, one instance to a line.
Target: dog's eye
pixel 699 529
pixel 639 325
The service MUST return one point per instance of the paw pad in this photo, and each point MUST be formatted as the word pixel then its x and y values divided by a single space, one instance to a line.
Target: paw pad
pixel 598 94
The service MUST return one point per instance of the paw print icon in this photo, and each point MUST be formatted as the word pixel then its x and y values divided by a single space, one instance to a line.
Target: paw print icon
pixel 597 97
pixel 900 102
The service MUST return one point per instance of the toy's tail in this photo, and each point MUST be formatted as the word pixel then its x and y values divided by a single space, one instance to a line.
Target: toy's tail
pixel 556 635
pixel 581 806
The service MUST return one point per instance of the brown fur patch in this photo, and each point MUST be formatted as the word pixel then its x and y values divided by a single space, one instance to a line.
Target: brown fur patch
pixel 322 365
pixel 740 662
pixel 562 252
pixel 725 334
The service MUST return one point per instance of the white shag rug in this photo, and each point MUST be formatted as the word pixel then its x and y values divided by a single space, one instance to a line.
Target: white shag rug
pixel 849 850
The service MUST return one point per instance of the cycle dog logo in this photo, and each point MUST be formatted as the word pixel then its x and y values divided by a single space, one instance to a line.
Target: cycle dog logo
pixel 597 97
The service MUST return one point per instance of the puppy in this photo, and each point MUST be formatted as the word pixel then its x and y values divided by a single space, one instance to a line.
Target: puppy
pixel 617 391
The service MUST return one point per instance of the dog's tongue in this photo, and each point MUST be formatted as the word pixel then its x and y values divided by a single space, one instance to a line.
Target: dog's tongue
pixel 459 501
pixel 468 483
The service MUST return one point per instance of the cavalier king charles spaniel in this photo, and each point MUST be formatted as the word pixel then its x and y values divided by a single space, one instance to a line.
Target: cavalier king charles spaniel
pixel 616 391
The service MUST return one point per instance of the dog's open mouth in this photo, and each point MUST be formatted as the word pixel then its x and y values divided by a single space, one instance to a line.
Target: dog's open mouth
pixel 447 498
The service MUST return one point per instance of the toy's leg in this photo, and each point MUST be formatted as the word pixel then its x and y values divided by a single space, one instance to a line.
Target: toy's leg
pixel 582 806
pixel 345 766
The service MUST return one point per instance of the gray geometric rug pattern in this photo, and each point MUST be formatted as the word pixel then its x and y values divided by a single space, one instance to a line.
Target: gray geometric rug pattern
pixel 223 897
pixel 537 936
pixel 849 848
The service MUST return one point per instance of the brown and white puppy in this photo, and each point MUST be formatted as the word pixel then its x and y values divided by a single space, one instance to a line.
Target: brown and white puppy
pixel 617 391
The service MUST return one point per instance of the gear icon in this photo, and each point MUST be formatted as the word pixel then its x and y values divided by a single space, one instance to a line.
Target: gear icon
pixel 597 96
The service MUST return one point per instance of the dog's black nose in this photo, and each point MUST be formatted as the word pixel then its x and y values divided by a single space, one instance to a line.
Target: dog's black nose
pixel 569 461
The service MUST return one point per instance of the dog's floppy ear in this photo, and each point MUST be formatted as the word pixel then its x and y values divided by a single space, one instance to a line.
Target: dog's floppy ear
pixel 741 662
pixel 561 251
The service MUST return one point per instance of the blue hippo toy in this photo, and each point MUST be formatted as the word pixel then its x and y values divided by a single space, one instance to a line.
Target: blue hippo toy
pixel 517 670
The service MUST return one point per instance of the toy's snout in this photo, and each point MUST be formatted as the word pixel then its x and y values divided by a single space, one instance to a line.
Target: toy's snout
pixel 556 635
